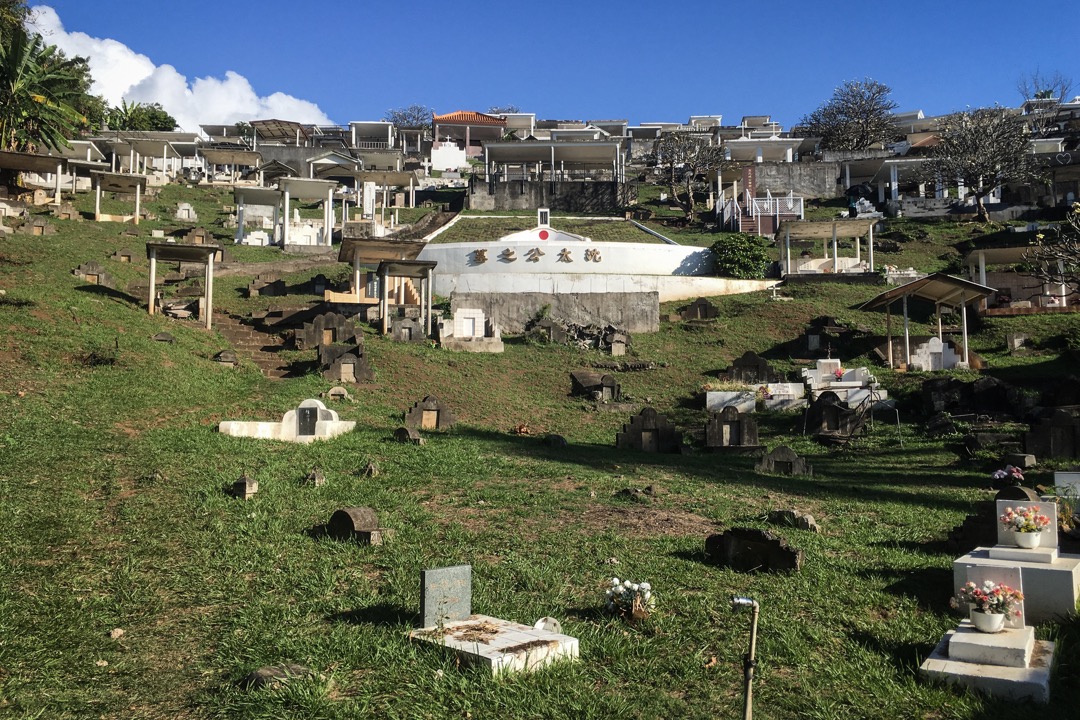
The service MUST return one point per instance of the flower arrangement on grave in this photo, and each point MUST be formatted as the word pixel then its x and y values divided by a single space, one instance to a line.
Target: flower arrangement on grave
pixel 991 598
pixel 1024 519
pixel 839 373
pixel 633 601
pixel 1009 473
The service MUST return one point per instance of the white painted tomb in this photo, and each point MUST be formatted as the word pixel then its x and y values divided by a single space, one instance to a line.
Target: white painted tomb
pixel 1052 577
pixel 309 422
pixel 852 386
pixel 785 396
pixel 1010 664
pixel 471 331
pixel 745 401
pixel 499 645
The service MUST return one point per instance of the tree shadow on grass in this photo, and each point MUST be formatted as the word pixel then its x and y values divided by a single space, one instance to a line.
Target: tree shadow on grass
pixel 109 292
pixel 937 546
pixel 384 614
pixel 906 657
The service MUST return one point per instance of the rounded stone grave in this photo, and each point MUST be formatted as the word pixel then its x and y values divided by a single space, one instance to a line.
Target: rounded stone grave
pixel 345 523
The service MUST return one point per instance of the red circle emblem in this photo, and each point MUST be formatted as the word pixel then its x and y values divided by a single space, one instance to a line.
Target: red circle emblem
pixel 543 234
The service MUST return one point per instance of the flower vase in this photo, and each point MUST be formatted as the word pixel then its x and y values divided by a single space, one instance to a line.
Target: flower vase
pixel 1027 540
pixel 988 622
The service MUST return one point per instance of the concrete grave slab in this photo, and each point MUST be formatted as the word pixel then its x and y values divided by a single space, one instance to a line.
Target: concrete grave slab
pixel 742 400
pixel 1029 683
pixel 500 645
pixel 309 422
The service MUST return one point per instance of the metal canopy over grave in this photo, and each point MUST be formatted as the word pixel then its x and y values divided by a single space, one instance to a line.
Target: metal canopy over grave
pixel 175 252
pixel 415 270
pixel 837 229
pixel 940 289
pixel 120 183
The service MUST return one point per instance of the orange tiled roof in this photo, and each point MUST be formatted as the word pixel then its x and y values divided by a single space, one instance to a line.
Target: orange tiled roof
pixel 469 117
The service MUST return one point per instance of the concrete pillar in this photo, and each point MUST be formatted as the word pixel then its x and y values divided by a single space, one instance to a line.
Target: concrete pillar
pixel 356 276
pixel 209 289
pixel 963 325
pixel 59 170
pixel 97 198
pixel 787 249
pixel 238 237
pixel 894 182
pixel 881 192
pixel 982 268
pixel 847 175
pixel 428 284
pixel 870 246
pixel 384 301
pixel 138 197
pixel 888 335
pixel 835 257
pixel 907 336
pixel 288 219
pixel 153 280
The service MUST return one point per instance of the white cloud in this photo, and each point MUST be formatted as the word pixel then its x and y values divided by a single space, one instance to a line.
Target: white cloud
pixel 120 73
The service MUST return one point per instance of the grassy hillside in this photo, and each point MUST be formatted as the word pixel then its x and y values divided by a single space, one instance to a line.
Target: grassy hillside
pixel 115 517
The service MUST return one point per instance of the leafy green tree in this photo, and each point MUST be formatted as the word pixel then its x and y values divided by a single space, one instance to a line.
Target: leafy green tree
pixel 13 14
pixel 139 116
pixel 39 91
pixel 858 115
pixel 739 255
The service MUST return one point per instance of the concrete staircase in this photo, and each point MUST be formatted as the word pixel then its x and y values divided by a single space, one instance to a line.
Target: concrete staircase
pixel 247 342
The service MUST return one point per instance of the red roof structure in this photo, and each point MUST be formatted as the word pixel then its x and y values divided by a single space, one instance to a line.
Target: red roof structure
pixel 468 117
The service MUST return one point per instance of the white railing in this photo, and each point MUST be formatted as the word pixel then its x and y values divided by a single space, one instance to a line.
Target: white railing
pixel 769 205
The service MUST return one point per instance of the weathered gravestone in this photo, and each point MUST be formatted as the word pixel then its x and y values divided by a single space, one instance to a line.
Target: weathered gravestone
pixel 649 431
pixel 359 524
pixel 272 676
pixel 492 643
pixel 445 595
pixel 751 550
pixel 93 273
pixel 227 357
pixel 198 236
pixel 123 256
pixel 429 414
pixel 185 212
pixel 406 329
pixel 328 329
pixel 266 286
pixel 345 363
pixel 783 461
pixel 36 226
pixel 598 386
pixel 751 369
pixel 408 436
pixel 245 488
pixel 1057 436
pixel 794 518
pixel 829 418
pixel 732 429
pixel 315 478
pixel 700 309
pixel 66 211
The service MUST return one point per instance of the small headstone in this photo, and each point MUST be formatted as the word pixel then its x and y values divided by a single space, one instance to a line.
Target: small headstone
pixel 1020 460
pixel 700 309
pixel 783 461
pixel 337 393
pixel 370 469
pixel 360 524
pixel 227 357
pixel 649 431
pixel 164 337
pixel 315 477
pixel 730 428
pixel 751 370
pixel 408 435
pixel 794 518
pixel 445 595
pixel 245 488
pixel 549 624
pixel 750 550
pixel 555 441
pixel 429 414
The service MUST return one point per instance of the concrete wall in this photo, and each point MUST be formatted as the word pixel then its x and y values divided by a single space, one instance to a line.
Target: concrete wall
pixel 809 179
pixel 631 311
pixel 609 258
pixel 668 288
pixel 594 197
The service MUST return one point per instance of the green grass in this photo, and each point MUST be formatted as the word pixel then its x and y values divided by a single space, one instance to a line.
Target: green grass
pixel 115 517
pixel 470 229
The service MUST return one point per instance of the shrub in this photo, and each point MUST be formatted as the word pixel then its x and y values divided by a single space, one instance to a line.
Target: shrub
pixel 741 256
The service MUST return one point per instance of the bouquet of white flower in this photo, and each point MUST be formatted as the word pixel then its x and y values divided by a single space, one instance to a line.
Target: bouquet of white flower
pixel 632 600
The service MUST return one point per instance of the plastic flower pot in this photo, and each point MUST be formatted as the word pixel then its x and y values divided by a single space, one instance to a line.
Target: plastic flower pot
pixel 988 622
pixel 1027 540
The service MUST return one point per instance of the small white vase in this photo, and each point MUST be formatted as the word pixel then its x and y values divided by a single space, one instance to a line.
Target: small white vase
pixel 988 622
pixel 1027 540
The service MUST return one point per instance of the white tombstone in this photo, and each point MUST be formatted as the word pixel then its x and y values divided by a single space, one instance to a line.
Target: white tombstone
pixel 469 323
pixel 309 422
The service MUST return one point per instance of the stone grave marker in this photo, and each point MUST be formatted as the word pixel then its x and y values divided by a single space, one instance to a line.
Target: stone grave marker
pixel 408 436
pixel 245 488
pixel 731 429
pixel 784 396
pixel 751 550
pixel 36 225
pixel 360 524
pixel 1069 480
pixel 1000 575
pixel 336 393
pixel 328 329
pixel 66 211
pixel 1055 437
pixel 829 417
pixel 700 309
pixel 429 414
pixel 315 478
pixel 227 357
pixel 184 211
pixel 783 461
pixel 123 256
pixel 445 595
pixel 751 369
pixel 345 363
pixel 406 329
pixel 597 386
pixel 1048 537
pixel 649 431
pixel 266 286
pixel 93 273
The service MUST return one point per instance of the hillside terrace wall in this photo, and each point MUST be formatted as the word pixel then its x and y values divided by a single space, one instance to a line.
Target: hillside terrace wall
pixel 633 312
pixel 562 196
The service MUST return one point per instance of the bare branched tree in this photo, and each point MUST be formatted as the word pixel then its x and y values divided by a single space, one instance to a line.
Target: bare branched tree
pixel 503 109
pixel 1055 256
pixel 858 115
pixel 686 160
pixel 409 117
pixel 1042 95
pixel 984 148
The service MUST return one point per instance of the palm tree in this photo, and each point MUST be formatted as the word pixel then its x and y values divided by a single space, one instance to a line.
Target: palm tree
pixel 39 88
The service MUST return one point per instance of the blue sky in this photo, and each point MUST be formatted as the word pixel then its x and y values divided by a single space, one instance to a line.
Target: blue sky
pixel 641 61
